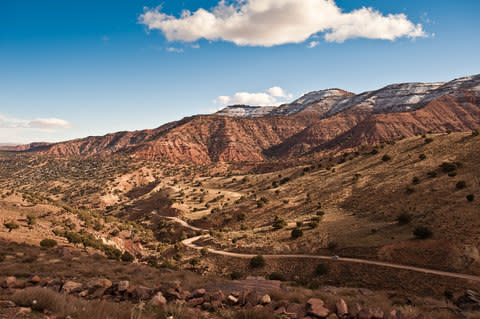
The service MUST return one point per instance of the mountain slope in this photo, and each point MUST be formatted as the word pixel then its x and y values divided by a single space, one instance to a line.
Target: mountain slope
pixel 318 121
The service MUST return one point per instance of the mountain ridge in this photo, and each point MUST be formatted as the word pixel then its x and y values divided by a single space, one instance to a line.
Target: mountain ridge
pixel 319 121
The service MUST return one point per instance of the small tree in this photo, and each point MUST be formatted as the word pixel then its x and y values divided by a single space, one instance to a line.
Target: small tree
pixel 422 157
pixel 31 220
pixel 127 257
pixel 11 226
pixel 321 269
pixel 404 218
pixel 422 232
pixel 461 185
pixel 48 243
pixel 386 158
pixel 257 261
pixel 470 197
pixel 296 233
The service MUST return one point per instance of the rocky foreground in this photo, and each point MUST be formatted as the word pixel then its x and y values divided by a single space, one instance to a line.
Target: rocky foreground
pixel 21 297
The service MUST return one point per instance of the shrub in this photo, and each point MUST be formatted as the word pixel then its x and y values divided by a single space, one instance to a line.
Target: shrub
pixel 204 251
pixel 415 181
pixel 386 158
pixel 428 140
pixel 410 190
pixel 448 167
pixel 461 185
pixel 299 224
pixel 241 216
pixel 321 269
pixel 422 232
pixel 257 261
pixel 127 257
pixel 296 233
pixel 11 226
pixel 422 157
pixel 279 223
pixel 31 220
pixel 332 245
pixel 404 218
pixel 470 197
pixel 236 275
pixel 475 132
pixel 432 174
pixel 48 243
pixel 276 276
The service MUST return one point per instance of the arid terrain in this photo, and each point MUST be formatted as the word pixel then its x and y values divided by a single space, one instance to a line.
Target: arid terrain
pixel 336 205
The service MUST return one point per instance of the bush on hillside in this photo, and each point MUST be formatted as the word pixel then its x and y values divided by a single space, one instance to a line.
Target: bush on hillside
pixel 422 232
pixel 257 261
pixel 48 243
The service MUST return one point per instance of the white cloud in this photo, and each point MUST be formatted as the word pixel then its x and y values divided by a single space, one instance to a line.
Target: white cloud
pixel 37 124
pixel 313 44
pixel 174 50
pixel 275 22
pixel 274 96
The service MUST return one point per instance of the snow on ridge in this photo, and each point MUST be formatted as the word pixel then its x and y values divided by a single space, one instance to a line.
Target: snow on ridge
pixel 400 97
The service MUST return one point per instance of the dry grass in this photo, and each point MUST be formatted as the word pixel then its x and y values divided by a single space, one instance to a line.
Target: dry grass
pixel 41 299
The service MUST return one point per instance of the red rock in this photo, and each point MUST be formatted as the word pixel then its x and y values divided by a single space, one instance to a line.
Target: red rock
pixel 315 306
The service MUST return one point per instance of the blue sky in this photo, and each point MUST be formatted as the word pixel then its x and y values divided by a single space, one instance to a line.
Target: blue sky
pixel 77 68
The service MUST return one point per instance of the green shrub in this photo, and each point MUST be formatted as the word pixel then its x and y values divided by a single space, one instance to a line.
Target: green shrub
pixel 322 269
pixel 422 232
pixel 461 185
pixel 296 233
pixel 386 158
pixel 428 140
pixel 257 261
pixel 404 218
pixel 475 132
pixel 415 181
pixel 448 167
pixel 31 220
pixel 470 197
pixel 127 257
pixel 332 245
pixel 11 226
pixel 48 243
pixel 279 223
pixel 422 157
pixel 432 174
pixel 236 275
pixel 276 276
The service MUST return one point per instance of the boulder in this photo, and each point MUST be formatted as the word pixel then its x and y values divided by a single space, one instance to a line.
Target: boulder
pixel 195 302
pixel 35 280
pixel 158 300
pixel 197 293
pixel 172 294
pixel 232 300
pixel 71 286
pixel 316 307
pixel 218 296
pixel 9 282
pixel 99 283
pixel 332 316
pixel 265 300
pixel 123 285
pixel 342 308
pixel 297 309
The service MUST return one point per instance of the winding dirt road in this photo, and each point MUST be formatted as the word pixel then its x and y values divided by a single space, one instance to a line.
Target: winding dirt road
pixel 190 242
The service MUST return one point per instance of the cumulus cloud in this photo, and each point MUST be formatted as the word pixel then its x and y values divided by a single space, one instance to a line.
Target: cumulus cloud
pixel 175 50
pixel 38 124
pixel 273 96
pixel 275 22
pixel 313 44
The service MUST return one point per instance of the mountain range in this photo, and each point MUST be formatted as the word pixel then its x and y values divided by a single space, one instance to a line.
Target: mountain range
pixel 318 122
